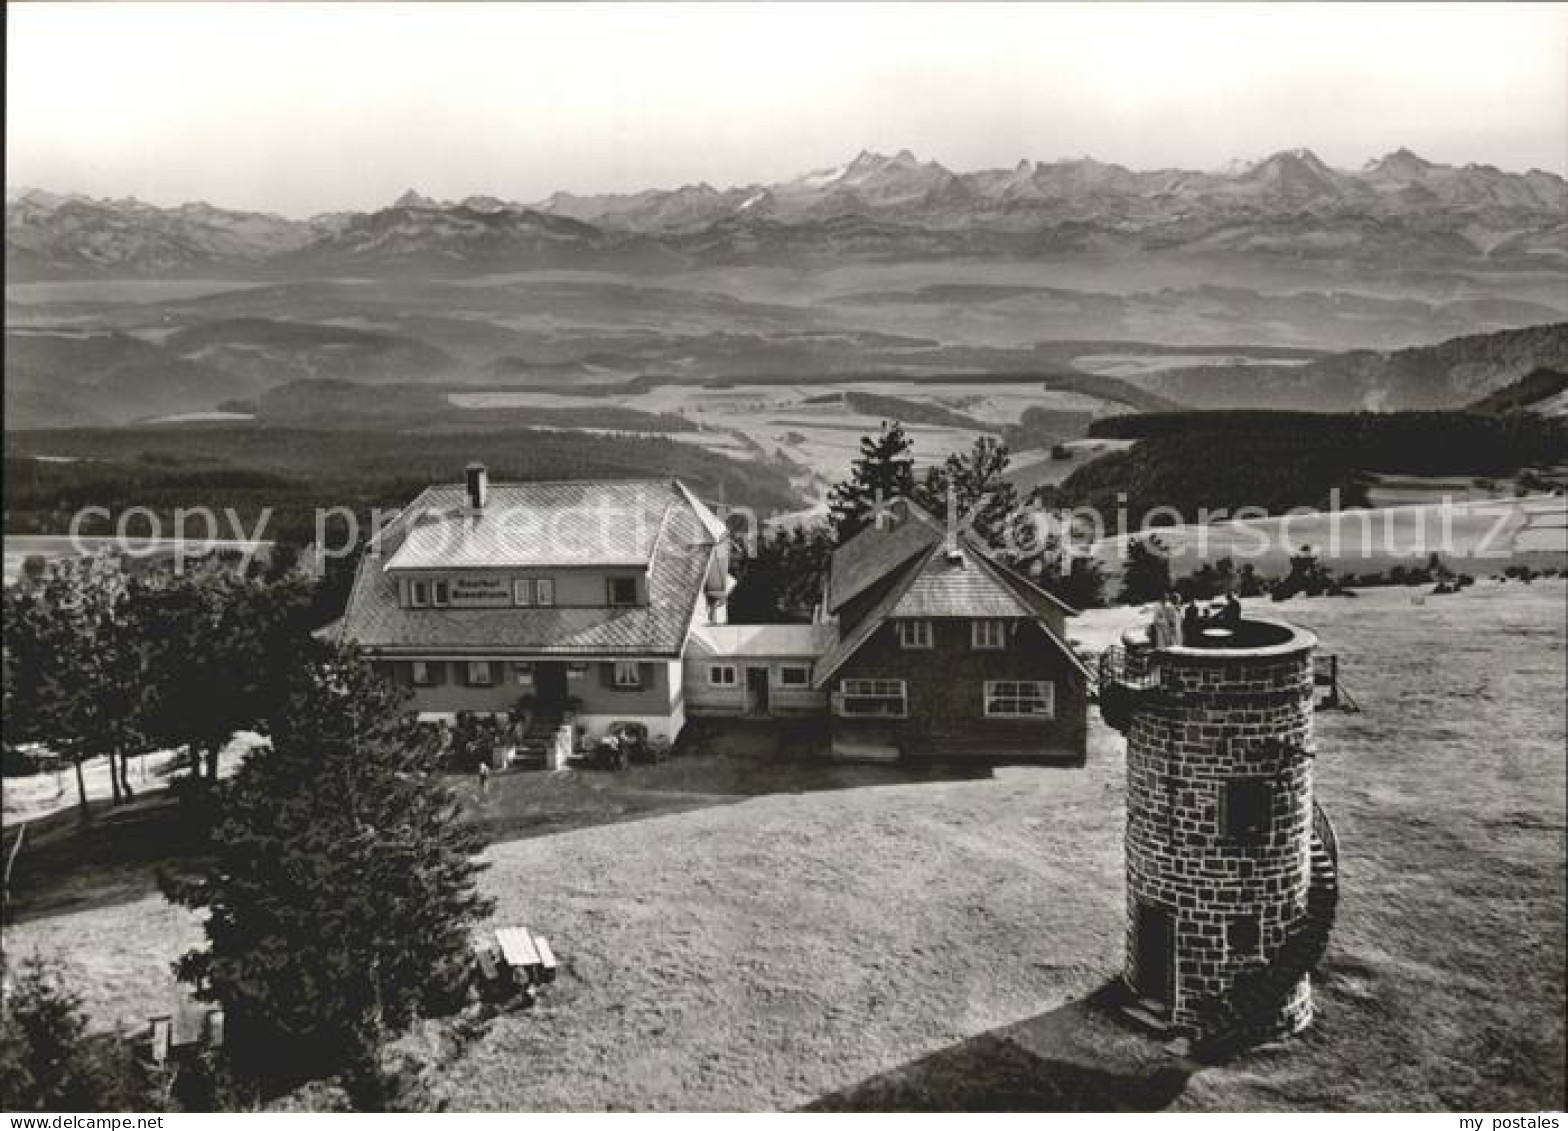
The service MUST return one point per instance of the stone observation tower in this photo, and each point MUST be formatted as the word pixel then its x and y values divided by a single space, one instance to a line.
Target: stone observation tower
pixel 1231 867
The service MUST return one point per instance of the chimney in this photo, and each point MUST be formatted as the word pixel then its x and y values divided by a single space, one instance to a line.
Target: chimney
pixel 478 486
pixel 950 548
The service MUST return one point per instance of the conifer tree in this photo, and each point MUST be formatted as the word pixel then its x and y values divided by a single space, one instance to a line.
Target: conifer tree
pixel 1147 574
pixel 341 889
pixel 881 473
pixel 48 1059
pixel 974 484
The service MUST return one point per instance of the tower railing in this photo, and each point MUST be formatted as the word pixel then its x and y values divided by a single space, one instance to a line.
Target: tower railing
pixel 1129 667
pixel 1125 676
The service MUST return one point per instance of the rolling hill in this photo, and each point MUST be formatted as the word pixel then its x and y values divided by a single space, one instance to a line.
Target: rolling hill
pixel 1449 374
pixel 1543 391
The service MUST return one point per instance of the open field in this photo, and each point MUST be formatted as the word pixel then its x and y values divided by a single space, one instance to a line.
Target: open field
pixel 795 422
pixel 1479 536
pixel 743 928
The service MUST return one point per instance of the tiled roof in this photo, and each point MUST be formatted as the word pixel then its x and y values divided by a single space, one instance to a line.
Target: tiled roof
pixel 681 554
pixel 872 554
pixel 804 640
pixel 861 632
pixel 966 587
pixel 538 524
pixel 929 587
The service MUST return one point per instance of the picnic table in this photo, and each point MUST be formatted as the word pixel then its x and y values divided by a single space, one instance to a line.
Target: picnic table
pixel 521 955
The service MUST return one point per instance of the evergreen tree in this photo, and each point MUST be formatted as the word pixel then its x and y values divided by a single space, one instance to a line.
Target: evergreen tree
pixel 881 473
pixel 1082 585
pixel 1248 583
pixel 1147 574
pixel 341 889
pixel 781 579
pixel 975 484
pixel 49 1061
pixel 1307 575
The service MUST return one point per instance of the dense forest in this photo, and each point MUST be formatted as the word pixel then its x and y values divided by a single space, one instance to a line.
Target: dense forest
pixel 1278 460
pixel 1415 443
pixel 296 471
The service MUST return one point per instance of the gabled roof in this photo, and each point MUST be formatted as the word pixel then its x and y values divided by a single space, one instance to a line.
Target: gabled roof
pixel 848 645
pixel 679 547
pixel 872 554
pixel 966 587
pixel 558 524
pixel 929 586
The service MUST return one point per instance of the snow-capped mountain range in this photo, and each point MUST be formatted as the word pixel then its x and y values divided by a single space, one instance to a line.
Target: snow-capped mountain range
pixel 1398 208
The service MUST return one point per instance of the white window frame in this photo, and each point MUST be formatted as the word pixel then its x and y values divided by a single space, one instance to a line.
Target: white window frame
pixel 480 665
pixel 801 670
pixel 622 683
pixel 988 635
pixel 544 592
pixel 883 690
pixel 440 593
pixel 915 635
pixel 523 672
pixel 418 593
pixel 1011 691
pixel 723 675
pixel 523 592
pixel 420 675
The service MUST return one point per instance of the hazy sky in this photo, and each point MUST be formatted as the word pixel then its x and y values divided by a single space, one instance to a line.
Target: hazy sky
pixel 301 108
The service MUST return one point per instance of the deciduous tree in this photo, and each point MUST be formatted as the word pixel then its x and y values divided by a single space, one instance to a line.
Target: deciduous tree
pixel 76 678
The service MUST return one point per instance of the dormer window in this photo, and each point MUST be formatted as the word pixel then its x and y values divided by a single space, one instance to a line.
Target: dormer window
pixel 523 592
pixel 544 592
pixel 440 595
pixel 621 591
pixel 419 593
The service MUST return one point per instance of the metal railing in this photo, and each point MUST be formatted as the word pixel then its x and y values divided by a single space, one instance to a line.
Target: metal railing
pixel 1323 829
pixel 1135 668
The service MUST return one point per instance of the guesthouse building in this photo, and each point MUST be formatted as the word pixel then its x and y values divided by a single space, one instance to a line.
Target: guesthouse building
pixel 606 601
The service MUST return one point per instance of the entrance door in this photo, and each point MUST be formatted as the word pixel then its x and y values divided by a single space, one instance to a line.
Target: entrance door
pixel 550 688
pixel 1156 943
pixel 756 691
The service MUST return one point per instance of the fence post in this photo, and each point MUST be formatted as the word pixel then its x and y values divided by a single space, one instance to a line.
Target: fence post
pixel 10 861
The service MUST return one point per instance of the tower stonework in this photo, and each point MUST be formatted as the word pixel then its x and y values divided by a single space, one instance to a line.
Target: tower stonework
pixel 1230 885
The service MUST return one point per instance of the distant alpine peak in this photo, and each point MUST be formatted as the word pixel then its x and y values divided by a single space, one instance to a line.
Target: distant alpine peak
pixel 412 199
pixel 1297 157
pixel 865 162
pixel 1400 162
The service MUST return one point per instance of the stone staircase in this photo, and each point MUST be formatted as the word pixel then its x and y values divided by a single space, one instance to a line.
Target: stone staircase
pixel 533 746
pixel 1262 991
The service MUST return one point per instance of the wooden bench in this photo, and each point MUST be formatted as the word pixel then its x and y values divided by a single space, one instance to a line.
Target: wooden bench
pixel 547 963
pixel 193 1025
